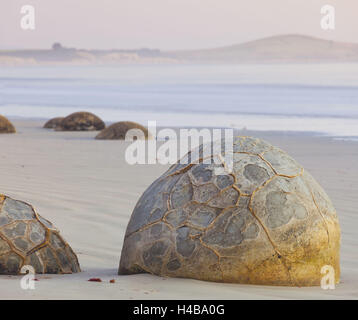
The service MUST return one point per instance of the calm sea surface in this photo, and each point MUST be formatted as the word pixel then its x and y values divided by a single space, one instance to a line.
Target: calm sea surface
pixel 308 98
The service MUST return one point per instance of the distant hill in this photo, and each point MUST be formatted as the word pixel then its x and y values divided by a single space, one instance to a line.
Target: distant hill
pixel 285 48
pixel 276 49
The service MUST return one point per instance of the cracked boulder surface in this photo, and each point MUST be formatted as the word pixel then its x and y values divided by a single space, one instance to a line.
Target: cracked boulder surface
pixel 267 222
pixel 26 238
pixel 81 121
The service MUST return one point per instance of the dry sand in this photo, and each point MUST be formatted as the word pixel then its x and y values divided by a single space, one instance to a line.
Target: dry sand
pixel 85 187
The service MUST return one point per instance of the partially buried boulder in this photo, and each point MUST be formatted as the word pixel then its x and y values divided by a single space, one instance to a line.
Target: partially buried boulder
pixel 265 222
pixel 6 126
pixel 53 123
pixel 81 121
pixel 26 238
pixel 118 131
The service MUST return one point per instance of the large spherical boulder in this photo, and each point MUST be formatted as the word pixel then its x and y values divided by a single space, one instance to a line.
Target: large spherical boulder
pixel 26 238
pixel 81 121
pixel 118 131
pixel 53 123
pixel 6 126
pixel 268 222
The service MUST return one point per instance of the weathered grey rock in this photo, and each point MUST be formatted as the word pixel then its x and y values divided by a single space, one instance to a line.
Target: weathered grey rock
pixel 28 239
pixel 81 121
pixel 268 222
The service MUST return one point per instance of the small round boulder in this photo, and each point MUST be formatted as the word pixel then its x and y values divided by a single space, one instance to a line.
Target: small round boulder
pixel 81 121
pixel 118 131
pixel 53 123
pixel 26 238
pixel 266 221
pixel 6 126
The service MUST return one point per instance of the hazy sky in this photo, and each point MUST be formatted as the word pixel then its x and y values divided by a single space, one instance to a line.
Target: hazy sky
pixel 169 24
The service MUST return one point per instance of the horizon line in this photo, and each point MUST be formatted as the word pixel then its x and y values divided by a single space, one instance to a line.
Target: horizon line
pixel 175 50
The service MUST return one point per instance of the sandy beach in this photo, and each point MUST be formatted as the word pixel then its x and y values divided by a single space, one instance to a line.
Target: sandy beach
pixel 88 191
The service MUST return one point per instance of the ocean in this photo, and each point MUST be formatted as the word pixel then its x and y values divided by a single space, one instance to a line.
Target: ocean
pixel 316 98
